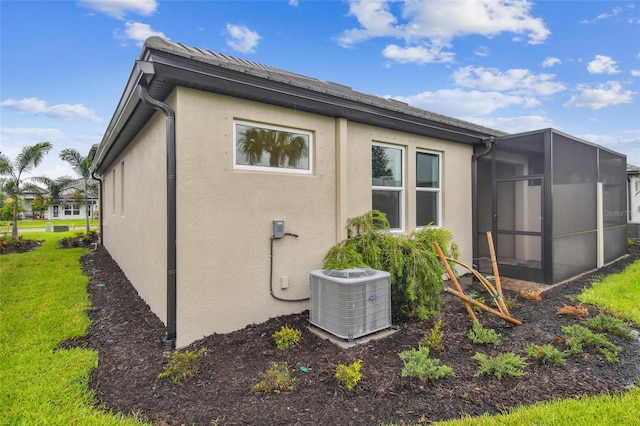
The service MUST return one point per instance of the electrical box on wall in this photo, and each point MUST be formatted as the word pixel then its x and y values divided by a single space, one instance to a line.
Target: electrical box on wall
pixel 278 228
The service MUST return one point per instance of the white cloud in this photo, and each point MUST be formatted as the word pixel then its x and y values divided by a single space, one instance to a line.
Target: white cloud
pixel 482 51
pixel 600 96
pixel 293 3
pixel 461 103
pixel 550 61
pixel 242 38
pixel 436 23
pixel 602 65
pixel 515 80
pixel 137 32
pixel 635 73
pixel 35 106
pixel 120 8
pixel 418 54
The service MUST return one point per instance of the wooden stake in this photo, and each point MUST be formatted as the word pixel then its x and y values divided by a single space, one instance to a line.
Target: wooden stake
pixel 482 306
pixel 452 277
pixel 496 274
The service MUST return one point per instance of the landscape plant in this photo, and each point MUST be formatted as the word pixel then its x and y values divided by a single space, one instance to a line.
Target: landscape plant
pixel 182 365
pixel 603 323
pixel 349 375
pixel 483 336
pixel 277 378
pixel 417 363
pixel 504 364
pixel 435 339
pixel 287 337
pixel 578 311
pixel 579 337
pixel 415 268
pixel 17 184
pixel 546 354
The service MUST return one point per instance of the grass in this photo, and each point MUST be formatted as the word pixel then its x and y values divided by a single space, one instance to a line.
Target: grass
pixel 43 301
pixel 5 225
pixel 617 293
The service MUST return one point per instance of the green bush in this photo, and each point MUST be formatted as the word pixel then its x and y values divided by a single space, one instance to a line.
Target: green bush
pixel 546 354
pixel 182 365
pixel 415 268
pixel 506 364
pixel 483 336
pixel 277 378
pixel 579 337
pixel 287 337
pixel 607 324
pixel 349 375
pixel 418 364
pixel 434 340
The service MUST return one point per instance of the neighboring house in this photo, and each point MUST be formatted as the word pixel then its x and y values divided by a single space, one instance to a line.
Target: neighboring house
pixel 204 152
pixel 63 208
pixel 633 209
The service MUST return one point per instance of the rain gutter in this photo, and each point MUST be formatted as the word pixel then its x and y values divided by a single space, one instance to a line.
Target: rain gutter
pixel 488 146
pixel 147 68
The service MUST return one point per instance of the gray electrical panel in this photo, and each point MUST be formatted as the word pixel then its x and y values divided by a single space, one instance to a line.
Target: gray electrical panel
pixel 278 228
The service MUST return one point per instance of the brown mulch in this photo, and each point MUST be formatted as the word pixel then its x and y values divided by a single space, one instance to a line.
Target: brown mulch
pixel 127 337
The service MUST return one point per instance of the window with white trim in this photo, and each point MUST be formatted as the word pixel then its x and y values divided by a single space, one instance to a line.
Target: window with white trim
pixel 273 148
pixel 387 183
pixel 428 189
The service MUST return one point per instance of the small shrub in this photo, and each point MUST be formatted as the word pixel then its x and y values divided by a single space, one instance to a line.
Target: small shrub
pixel 607 324
pixel 483 336
pixel 479 299
pixel 578 311
pixel 287 337
pixel 434 340
pixel 182 365
pixel 418 364
pixel 510 302
pixel 546 354
pixel 349 375
pixel 531 295
pixel 277 378
pixel 579 337
pixel 506 364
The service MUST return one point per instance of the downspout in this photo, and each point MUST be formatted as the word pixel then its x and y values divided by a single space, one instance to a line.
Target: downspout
pixel 99 179
pixel 169 340
pixel 488 146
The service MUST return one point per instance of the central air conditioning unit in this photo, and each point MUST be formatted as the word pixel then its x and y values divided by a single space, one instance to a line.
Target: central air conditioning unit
pixel 350 303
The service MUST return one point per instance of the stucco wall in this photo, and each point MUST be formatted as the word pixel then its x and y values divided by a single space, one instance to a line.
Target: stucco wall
pixel 134 214
pixel 225 215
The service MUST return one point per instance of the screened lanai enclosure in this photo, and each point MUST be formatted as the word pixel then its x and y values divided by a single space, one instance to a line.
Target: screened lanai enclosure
pixel 555 206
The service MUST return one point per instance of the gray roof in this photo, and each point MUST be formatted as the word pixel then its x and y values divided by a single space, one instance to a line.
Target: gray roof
pixel 163 65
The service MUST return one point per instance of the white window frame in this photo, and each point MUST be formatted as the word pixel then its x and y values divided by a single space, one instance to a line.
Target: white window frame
pixel 438 190
pixel 308 134
pixel 400 189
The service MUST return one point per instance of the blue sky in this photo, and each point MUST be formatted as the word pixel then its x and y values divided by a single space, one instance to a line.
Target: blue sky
pixel 511 65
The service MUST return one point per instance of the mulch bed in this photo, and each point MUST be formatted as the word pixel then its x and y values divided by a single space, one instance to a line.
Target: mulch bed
pixel 127 336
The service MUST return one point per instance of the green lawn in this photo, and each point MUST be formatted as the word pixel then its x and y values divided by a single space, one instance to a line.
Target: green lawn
pixel 5 225
pixel 43 301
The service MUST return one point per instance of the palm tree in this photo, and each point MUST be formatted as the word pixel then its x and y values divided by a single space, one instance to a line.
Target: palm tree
pixel 29 158
pixel 284 149
pixel 82 166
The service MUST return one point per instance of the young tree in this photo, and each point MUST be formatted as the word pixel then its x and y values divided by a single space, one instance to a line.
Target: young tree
pixel 82 166
pixel 29 158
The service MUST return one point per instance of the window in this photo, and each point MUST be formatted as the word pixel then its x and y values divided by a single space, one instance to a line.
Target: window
pixel 388 183
pixel 71 210
pixel 264 147
pixel 122 188
pixel 427 189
